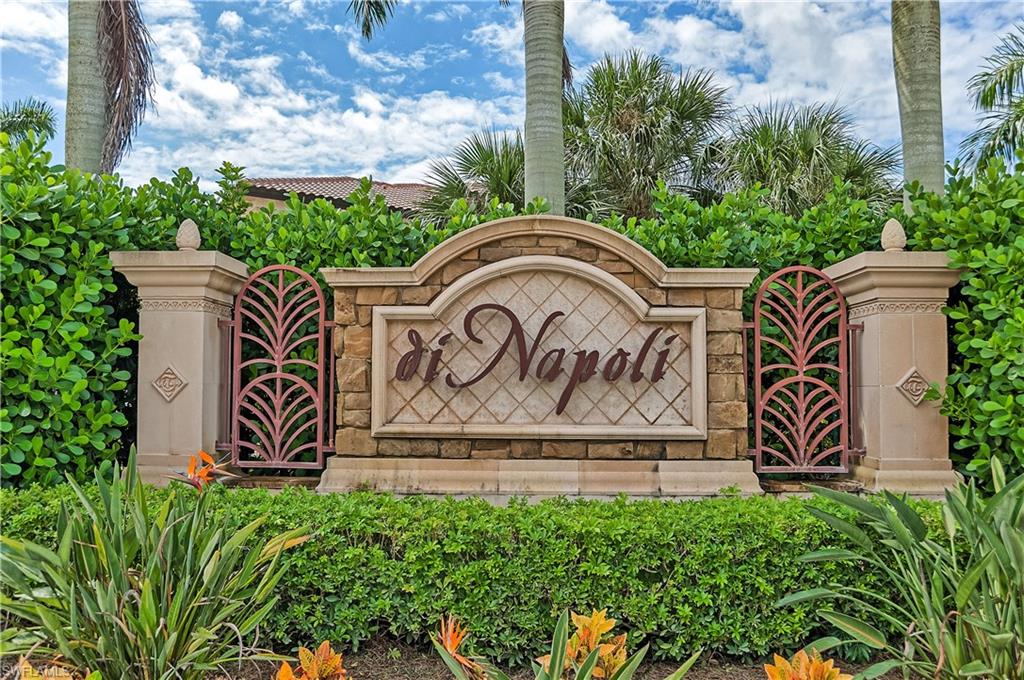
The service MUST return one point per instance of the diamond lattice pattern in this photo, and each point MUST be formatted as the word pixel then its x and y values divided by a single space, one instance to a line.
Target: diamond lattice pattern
pixel 594 320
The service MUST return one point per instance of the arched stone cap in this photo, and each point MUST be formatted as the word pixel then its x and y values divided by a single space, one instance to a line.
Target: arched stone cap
pixel 540 225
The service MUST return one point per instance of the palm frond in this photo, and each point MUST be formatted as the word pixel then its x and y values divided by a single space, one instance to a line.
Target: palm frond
pixel 127 64
pixel 795 154
pixel 371 14
pixel 485 166
pixel 998 93
pixel 1000 134
pixel 1002 79
pixel 18 117
pixel 634 122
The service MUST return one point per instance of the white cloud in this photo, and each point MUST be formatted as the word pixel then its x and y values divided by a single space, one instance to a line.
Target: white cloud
pixel 417 60
pixel 267 104
pixel 506 40
pixel 597 27
pixel 230 21
pixel 500 82
pixel 212 107
pixel 32 23
pixel 807 52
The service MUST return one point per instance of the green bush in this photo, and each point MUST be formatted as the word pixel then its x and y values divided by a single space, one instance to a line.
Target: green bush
pixel 956 602
pixel 59 339
pixel 679 576
pixel 980 222
pixel 140 589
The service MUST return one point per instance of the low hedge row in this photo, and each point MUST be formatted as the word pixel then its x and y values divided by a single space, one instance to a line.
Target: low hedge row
pixel 680 575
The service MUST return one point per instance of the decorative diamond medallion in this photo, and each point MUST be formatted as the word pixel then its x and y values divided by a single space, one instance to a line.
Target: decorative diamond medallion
pixel 169 383
pixel 913 386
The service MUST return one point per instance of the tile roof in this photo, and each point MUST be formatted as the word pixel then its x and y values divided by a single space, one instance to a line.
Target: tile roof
pixel 405 196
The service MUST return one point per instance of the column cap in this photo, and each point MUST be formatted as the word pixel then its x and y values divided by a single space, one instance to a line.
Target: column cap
pixel 894 275
pixel 182 274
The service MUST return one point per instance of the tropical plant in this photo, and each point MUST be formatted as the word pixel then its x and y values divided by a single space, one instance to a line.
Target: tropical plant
pixel 998 92
pixel 488 165
pixel 797 153
pixel 323 664
pixel 137 589
pixel 634 122
pixel 110 81
pixel 592 633
pixel 488 168
pixel 959 602
pixel 584 656
pixel 804 666
pixel 916 57
pixel 19 117
pixel 630 124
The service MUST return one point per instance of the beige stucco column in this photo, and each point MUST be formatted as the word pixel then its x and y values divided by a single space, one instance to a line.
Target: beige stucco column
pixel 182 374
pixel 898 296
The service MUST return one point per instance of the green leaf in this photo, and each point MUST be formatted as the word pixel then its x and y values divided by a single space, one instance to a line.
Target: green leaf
pixel 806 596
pixel 861 631
pixel 878 669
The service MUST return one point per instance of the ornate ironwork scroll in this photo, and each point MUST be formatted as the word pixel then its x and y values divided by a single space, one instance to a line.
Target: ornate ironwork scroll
pixel 281 366
pixel 801 374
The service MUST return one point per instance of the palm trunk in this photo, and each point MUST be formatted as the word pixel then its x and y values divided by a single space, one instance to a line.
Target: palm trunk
pixel 916 57
pixel 545 146
pixel 86 117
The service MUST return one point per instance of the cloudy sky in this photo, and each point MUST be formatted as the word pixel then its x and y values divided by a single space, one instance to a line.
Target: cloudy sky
pixel 290 88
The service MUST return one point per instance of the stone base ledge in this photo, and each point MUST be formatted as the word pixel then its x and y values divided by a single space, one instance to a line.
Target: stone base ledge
pixel 539 478
pixel 928 478
pixel 156 468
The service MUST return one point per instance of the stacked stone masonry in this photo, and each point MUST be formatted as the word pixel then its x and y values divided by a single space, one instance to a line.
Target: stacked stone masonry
pixel 727 412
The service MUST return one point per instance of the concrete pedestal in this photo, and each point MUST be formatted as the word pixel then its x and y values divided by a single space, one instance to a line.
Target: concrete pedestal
pixel 182 374
pixel 898 296
pixel 499 480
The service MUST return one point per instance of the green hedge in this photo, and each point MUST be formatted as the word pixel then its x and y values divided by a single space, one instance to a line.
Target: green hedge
pixel 980 222
pixel 681 575
pixel 60 339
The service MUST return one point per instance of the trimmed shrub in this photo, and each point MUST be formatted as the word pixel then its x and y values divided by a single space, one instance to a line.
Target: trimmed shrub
pixel 980 222
pixel 60 340
pixel 678 575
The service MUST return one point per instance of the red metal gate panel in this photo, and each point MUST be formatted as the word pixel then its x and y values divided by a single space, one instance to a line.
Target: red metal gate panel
pixel 801 374
pixel 281 372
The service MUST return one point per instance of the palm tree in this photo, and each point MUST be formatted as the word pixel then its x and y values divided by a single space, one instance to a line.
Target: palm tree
pixel 110 81
pixel 635 122
pixel 486 166
pixel 998 92
pixel 916 56
pixel 543 26
pixel 631 123
pixel 796 154
pixel 547 69
pixel 17 118
pixel 490 165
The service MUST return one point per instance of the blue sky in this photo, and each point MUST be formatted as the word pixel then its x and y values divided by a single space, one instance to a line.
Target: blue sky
pixel 290 88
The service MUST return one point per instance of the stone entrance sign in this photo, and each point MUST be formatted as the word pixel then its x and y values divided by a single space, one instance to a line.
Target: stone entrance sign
pixel 539 347
pixel 540 355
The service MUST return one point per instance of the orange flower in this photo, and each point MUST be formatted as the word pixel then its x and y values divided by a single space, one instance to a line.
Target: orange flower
pixel 451 636
pixel 324 664
pixel 201 471
pixel 804 667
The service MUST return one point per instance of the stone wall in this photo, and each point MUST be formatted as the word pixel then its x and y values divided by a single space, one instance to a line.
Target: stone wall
pixel 727 413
